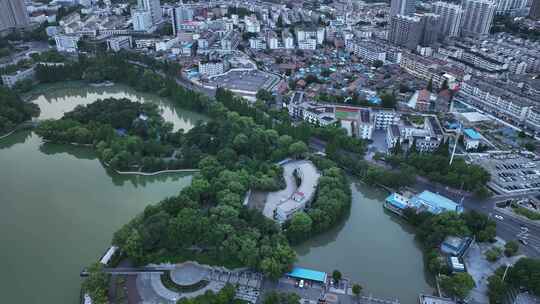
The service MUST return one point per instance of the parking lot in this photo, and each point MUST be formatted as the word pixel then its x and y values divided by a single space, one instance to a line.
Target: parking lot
pixel 245 81
pixel 511 172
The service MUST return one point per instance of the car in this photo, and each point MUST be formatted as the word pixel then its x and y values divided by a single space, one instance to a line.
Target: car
pixel 522 241
pixel 301 284
pixel 500 218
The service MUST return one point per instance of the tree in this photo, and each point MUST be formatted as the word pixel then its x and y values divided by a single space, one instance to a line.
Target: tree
pixel 430 85
pixel 493 254
pixel 388 100
pixel 274 297
pixel 378 63
pixel 497 289
pixel 458 285
pixel 299 227
pixel 298 149
pixel 336 275
pixel 511 248
pixel 96 284
pixel 357 290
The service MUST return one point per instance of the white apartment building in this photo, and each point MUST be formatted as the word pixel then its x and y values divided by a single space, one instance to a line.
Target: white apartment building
pixel 451 15
pixel 211 68
pixel 307 44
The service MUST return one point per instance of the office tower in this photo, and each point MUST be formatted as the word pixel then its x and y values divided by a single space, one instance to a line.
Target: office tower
pixel 402 7
pixel 477 17
pixel 406 31
pixel 451 15
pixel 431 28
pixel 535 10
pixel 13 14
pixel 152 6
pixel 180 15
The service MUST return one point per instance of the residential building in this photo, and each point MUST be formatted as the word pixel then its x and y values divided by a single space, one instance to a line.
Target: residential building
pixel 534 13
pixel 257 43
pixel 180 15
pixel 142 20
pixel 503 100
pixel 307 44
pixel 153 7
pixel 252 24
pixel 288 40
pixel 212 68
pixel 402 7
pixel 365 124
pixel 477 17
pixel 13 15
pixel 367 49
pixel 406 31
pixel 451 15
pixel 510 7
pixel 432 28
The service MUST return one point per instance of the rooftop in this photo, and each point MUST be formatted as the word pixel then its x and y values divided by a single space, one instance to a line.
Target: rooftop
pixel 436 203
pixel 472 134
pixel 308 274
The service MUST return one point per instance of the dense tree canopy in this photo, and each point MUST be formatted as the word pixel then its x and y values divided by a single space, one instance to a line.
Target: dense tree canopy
pixel 13 110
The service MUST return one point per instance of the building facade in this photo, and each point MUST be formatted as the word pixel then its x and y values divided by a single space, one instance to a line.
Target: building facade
pixel 477 17
pixel 402 7
pixel 13 15
pixel 451 15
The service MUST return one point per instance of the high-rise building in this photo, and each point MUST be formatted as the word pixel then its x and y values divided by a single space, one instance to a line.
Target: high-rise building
pixel 451 15
pixel 142 20
pixel 535 10
pixel 431 32
pixel 13 14
pixel 152 6
pixel 180 15
pixel 477 17
pixel 402 7
pixel 406 31
pixel 511 7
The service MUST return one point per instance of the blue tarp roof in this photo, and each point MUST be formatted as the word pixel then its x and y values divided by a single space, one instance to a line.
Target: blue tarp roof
pixel 472 134
pixel 308 274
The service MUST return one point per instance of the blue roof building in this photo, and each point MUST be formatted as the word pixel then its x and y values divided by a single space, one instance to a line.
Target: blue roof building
pixel 435 203
pixel 308 274
pixel 472 134
pixel 425 201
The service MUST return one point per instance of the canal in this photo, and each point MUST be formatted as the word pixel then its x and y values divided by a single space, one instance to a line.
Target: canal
pixel 59 206
pixel 372 247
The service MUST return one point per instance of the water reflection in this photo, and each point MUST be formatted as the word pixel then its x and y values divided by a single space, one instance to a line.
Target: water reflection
pixel 16 138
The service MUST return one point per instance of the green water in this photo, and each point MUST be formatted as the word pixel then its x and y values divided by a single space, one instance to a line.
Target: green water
pixel 59 206
pixel 371 247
